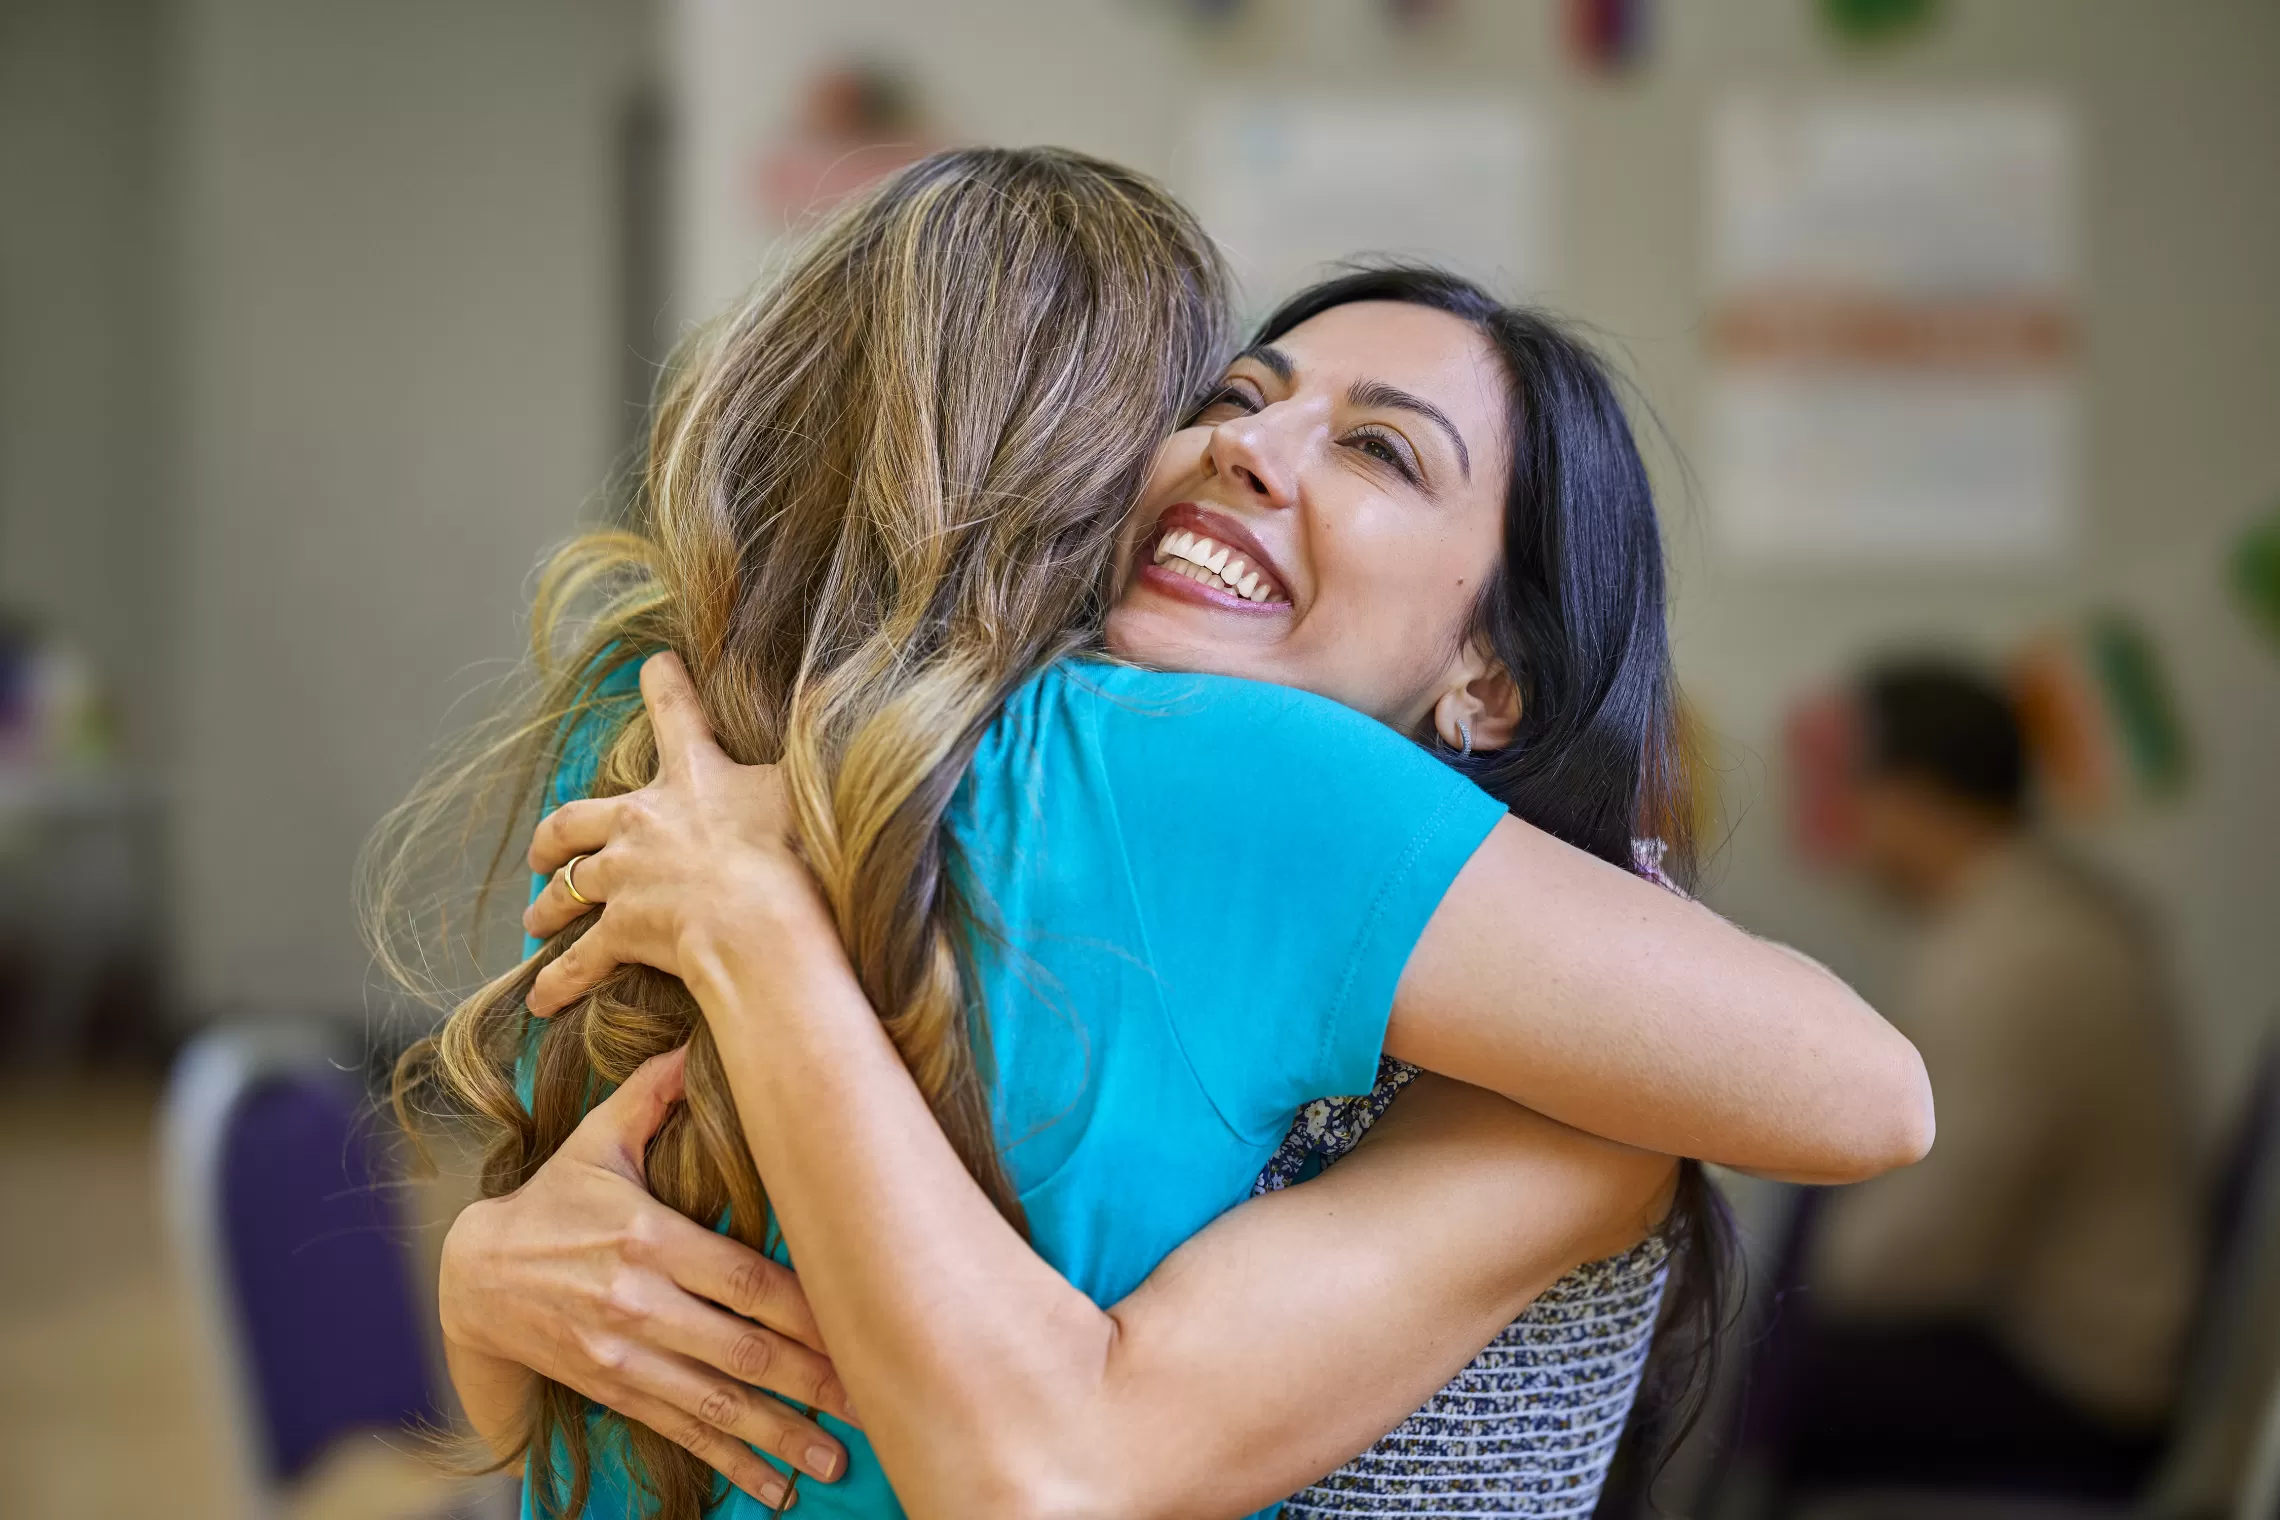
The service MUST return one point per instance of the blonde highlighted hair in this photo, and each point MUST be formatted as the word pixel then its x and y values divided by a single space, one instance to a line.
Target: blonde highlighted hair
pixel 878 496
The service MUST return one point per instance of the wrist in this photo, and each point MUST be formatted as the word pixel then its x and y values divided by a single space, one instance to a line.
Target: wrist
pixel 772 928
pixel 460 1322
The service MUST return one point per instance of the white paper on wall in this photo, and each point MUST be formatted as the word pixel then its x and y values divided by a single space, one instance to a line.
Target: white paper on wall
pixel 1292 184
pixel 1893 331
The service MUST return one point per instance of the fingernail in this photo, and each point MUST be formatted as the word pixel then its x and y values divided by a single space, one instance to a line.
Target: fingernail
pixel 773 1495
pixel 823 1461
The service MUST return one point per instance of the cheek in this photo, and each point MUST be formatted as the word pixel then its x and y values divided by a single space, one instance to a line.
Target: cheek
pixel 1404 585
pixel 1174 464
pixel 1392 612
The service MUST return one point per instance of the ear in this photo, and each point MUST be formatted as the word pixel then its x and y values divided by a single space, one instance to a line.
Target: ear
pixel 1482 696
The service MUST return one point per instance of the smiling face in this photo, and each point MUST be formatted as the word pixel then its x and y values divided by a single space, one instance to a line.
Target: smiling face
pixel 1329 519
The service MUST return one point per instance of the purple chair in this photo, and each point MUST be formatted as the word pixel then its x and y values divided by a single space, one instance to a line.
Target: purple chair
pixel 294 1249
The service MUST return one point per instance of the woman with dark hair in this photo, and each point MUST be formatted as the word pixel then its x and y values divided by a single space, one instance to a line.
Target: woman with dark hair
pixel 1426 509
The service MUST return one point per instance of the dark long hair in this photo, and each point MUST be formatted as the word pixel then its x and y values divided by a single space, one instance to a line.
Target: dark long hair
pixel 1576 613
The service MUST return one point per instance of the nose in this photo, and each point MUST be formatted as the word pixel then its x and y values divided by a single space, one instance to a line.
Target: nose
pixel 1256 454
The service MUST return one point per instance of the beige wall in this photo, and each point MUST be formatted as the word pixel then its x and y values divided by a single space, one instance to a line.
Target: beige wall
pixel 383 240
pixel 83 340
pixel 398 382
pixel 2180 126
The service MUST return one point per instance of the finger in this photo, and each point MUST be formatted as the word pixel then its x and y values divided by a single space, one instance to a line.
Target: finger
pixel 554 909
pixel 575 828
pixel 724 1454
pixel 573 973
pixel 745 1282
pixel 626 1121
pixel 675 714
pixel 748 1353
pixel 705 1397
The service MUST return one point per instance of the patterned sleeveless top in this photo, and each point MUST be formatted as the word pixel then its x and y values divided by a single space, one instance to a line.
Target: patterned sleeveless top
pixel 1530 1427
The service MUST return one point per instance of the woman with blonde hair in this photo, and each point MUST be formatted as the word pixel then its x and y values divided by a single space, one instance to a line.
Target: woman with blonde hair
pixel 1111 927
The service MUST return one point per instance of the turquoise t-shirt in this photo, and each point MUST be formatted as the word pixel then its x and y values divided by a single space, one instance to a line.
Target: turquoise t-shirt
pixel 1205 891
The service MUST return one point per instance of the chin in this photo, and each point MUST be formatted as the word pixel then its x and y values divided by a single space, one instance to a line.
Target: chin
pixel 1160 637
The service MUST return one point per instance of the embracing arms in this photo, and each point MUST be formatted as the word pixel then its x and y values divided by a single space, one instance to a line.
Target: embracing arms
pixel 1568 985
pixel 981 1372
pixel 1456 1210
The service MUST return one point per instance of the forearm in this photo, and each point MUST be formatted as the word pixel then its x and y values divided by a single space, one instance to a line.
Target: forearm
pixel 978 1368
pixel 1651 1021
pixel 1403 1260
pixel 980 1371
pixel 495 1394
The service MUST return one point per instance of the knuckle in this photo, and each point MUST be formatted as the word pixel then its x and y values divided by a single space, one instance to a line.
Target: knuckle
pixel 608 1353
pixel 750 1286
pixel 721 1408
pixel 625 1300
pixel 643 1237
pixel 752 1356
pixel 696 1435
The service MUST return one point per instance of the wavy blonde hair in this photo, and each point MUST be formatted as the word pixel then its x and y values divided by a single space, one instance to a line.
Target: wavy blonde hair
pixel 878 495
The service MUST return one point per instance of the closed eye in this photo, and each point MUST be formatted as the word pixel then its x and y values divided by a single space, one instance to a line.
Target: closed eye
pixel 1234 398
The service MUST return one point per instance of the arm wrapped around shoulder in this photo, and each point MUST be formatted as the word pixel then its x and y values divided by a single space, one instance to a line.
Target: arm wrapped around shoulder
pixel 1603 1001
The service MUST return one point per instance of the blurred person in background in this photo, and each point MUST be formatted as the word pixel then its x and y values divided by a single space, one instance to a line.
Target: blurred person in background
pixel 2011 1309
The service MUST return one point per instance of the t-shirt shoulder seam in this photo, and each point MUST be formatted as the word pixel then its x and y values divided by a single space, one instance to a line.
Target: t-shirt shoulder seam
pixel 1394 880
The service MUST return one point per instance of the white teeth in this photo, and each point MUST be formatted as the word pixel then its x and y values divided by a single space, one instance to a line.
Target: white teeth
pixel 1208 562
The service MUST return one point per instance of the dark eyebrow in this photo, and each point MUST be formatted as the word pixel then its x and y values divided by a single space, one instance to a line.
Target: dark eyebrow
pixel 1272 357
pixel 1376 393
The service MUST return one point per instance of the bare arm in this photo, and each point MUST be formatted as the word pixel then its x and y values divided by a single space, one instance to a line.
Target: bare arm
pixel 1571 986
pixel 1583 992
pixel 1454 1213
pixel 936 1292
pixel 990 1385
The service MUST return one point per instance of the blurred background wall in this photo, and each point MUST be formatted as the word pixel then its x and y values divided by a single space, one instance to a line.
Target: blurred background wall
pixel 320 324
pixel 311 338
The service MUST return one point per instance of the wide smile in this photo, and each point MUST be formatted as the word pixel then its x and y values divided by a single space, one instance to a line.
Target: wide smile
pixel 1203 557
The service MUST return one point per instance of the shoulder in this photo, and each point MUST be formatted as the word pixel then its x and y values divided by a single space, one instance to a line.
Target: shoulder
pixel 1245 728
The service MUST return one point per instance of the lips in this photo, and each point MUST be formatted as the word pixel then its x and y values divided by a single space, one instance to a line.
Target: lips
pixel 1203 556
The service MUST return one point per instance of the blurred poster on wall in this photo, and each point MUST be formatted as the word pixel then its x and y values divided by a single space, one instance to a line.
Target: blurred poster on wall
pixel 858 121
pixel 1292 184
pixel 1894 331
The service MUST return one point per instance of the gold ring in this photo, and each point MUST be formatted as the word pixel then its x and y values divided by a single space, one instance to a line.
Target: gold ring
pixel 570 882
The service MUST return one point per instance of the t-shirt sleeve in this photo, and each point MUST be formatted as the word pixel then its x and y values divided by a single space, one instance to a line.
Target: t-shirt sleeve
pixel 1286 853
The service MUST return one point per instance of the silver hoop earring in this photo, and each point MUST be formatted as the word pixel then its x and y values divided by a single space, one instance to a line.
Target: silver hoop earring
pixel 1464 732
